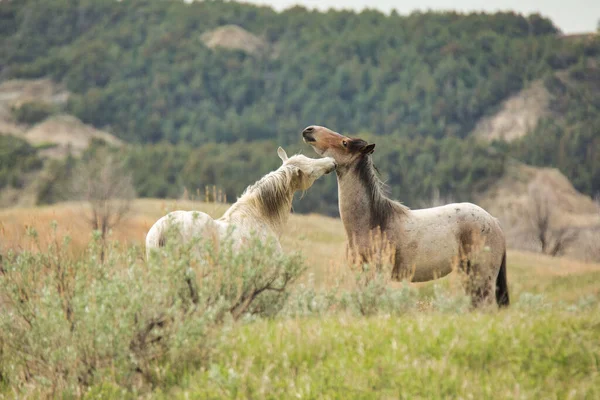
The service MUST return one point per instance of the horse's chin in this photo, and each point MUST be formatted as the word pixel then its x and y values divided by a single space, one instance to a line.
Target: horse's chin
pixel 315 148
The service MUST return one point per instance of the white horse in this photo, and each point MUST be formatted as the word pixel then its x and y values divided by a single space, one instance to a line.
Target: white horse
pixel 424 244
pixel 262 210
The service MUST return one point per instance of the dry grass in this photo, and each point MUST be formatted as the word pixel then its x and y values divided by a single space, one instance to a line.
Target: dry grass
pixel 320 239
pixel 537 348
pixel 70 218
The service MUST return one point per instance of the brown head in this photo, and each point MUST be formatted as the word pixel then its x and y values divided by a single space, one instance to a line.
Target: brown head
pixel 344 150
pixel 305 170
pixel 355 168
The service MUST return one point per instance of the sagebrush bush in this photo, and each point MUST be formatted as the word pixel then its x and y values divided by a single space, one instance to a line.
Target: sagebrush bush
pixel 69 323
pixel 446 301
pixel 306 300
pixel 371 294
pixel 362 289
pixel 114 317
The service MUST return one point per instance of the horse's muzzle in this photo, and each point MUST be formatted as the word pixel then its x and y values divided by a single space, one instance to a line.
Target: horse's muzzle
pixel 307 134
pixel 332 169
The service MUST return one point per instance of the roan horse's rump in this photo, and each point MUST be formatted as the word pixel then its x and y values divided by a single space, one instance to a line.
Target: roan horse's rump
pixel 263 209
pixel 425 244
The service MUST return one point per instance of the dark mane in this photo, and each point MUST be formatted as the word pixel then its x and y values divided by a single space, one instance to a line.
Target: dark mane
pixel 382 207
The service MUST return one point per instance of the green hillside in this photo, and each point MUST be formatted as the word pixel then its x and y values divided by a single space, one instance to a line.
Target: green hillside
pixel 416 85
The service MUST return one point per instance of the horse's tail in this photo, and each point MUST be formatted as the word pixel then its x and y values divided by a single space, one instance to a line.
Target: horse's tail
pixel 502 285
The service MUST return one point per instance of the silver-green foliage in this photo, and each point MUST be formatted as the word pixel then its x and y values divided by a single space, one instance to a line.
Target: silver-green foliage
pixel 70 322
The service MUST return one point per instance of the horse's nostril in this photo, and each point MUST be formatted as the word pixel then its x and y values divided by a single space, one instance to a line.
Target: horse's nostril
pixel 308 134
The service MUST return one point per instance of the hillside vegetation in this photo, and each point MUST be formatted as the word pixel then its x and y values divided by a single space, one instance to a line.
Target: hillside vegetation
pixel 202 86
pixel 143 68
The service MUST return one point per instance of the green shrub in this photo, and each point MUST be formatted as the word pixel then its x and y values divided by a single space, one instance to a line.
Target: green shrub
pixel 364 290
pixel 306 300
pixel 33 112
pixel 371 293
pixel 445 301
pixel 532 302
pixel 46 145
pixel 72 323
pixel 17 157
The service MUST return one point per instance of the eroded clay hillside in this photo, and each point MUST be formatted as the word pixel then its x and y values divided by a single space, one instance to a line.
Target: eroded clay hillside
pixel 531 202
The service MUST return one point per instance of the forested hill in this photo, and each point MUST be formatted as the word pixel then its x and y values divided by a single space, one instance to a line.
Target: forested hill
pixel 146 71
pixel 141 67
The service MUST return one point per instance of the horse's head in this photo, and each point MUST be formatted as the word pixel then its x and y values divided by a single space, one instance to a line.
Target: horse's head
pixel 344 150
pixel 306 170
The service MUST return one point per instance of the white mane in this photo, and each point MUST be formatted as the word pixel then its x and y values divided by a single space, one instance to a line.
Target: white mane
pixel 269 198
pixel 263 208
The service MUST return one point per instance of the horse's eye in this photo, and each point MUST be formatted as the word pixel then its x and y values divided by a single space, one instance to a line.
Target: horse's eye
pixel 344 143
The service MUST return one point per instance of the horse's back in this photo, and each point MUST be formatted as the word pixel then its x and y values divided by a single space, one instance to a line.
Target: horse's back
pixel 183 226
pixel 454 215
pixel 434 237
pixel 459 220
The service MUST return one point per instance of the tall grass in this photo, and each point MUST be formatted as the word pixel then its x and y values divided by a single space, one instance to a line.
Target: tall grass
pixel 515 354
pixel 204 321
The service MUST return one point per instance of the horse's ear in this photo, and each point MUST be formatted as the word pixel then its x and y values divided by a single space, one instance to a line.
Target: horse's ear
pixel 368 149
pixel 282 154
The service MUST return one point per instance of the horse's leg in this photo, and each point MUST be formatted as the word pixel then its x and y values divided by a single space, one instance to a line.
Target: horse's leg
pixel 476 269
pixel 476 282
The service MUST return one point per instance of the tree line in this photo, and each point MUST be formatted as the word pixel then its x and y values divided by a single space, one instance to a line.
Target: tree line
pixel 415 169
pixel 417 84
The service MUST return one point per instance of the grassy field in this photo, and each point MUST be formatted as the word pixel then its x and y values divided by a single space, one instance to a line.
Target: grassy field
pixel 546 345
pixel 321 240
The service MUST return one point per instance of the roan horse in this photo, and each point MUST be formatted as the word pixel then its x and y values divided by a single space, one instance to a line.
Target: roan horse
pixel 263 209
pixel 425 244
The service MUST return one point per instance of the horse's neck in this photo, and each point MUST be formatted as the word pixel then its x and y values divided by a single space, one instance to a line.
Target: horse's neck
pixel 247 214
pixel 354 204
pixel 251 211
pixel 363 207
